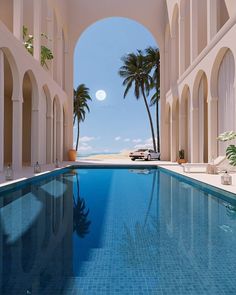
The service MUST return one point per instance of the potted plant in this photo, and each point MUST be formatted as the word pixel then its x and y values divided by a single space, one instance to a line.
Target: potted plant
pixel 181 159
pixel 72 155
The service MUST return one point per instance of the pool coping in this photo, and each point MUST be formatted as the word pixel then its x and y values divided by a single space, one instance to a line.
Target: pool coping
pixel 210 188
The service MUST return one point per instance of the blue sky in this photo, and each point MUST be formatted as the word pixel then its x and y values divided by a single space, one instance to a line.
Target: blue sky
pixel 115 124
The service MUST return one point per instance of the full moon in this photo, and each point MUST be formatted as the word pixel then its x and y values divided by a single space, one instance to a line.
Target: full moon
pixel 101 95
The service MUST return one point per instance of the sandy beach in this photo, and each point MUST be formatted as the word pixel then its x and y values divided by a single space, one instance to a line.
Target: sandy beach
pixel 122 155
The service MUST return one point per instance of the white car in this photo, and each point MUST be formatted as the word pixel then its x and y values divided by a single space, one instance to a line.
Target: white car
pixel 144 154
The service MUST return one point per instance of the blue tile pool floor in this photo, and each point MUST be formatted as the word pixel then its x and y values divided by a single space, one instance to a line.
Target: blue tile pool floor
pixel 117 232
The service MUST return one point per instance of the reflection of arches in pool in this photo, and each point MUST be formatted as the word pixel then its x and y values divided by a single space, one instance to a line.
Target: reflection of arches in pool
pixel 29 238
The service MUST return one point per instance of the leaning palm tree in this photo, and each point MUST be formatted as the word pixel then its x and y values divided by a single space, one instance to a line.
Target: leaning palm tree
pixel 152 59
pixel 136 74
pixel 81 98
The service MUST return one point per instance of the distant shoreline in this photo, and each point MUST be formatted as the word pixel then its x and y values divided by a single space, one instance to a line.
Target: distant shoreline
pixel 121 155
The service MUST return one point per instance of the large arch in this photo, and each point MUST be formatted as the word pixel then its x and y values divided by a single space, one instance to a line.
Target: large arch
pixel 10 152
pixel 8 110
pixel 30 128
pixel 200 118
pixel 226 97
pixel 222 99
pixel 184 119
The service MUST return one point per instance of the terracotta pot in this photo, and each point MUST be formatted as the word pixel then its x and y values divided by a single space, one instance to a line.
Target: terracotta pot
pixel 72 154
pixel 181 161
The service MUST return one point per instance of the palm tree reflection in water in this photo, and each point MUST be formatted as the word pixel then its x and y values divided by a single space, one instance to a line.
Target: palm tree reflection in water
pixel 139 246
pixel 81 223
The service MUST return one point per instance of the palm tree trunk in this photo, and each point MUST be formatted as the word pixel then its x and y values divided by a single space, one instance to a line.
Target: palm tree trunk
pixel 77 140
pixel 158 129
pixel 150 118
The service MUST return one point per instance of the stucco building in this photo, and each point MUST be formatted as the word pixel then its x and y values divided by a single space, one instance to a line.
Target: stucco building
pixel 197 47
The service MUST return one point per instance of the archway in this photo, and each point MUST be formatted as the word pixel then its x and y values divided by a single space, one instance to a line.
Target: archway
pixel 185 122
pixel 30 126
pixel 47 133
pixel 200 119
pixel 8 108
pixel 226 97
pixel 105 78
pixel 57 130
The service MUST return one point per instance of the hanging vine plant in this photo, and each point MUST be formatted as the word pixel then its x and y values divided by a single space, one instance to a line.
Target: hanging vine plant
pixel 28 41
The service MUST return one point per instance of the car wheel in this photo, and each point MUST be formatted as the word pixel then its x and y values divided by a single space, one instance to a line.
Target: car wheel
pixel 132 159
pixel 149 158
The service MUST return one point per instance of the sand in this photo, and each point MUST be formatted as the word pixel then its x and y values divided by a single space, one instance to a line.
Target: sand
pixel 122 155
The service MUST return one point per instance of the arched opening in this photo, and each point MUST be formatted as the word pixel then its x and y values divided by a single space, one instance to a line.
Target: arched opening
pixel 167 59
pixel 185 122
pixel 47 130
pixel 175 131
pixel 30 126
pixel 6 13
pixel 203 119
pixel 200 119
pixel 222 14
pixel 27 120
pixel 57 130
pixel 8 89
pixel 102 77
pixel 175 45
pixel 64 133
pixel 226 97
pixel 184 35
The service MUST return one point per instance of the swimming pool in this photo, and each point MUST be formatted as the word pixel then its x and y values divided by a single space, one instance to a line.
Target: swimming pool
pixel 98 231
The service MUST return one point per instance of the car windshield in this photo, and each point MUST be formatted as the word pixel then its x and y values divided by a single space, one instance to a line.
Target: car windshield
pixel 141 150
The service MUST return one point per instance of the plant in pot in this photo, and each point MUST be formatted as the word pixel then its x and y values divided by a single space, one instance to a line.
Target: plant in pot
pixel 181 159
pixel 231 149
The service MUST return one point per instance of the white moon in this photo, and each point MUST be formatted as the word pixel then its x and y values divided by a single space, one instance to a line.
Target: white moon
pixel 101 95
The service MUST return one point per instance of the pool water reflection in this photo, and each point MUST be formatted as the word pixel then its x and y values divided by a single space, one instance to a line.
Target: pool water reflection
pixel 116 231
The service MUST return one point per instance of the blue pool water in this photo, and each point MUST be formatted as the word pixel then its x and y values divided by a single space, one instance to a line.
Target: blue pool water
pixel 116 231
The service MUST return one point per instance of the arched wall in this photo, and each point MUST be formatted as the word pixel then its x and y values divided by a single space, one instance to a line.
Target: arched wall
pixel 226 97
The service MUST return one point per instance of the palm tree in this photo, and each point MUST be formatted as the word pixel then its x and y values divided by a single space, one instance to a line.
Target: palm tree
pixel 152 59
pixel 136 74
pixel 81 98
